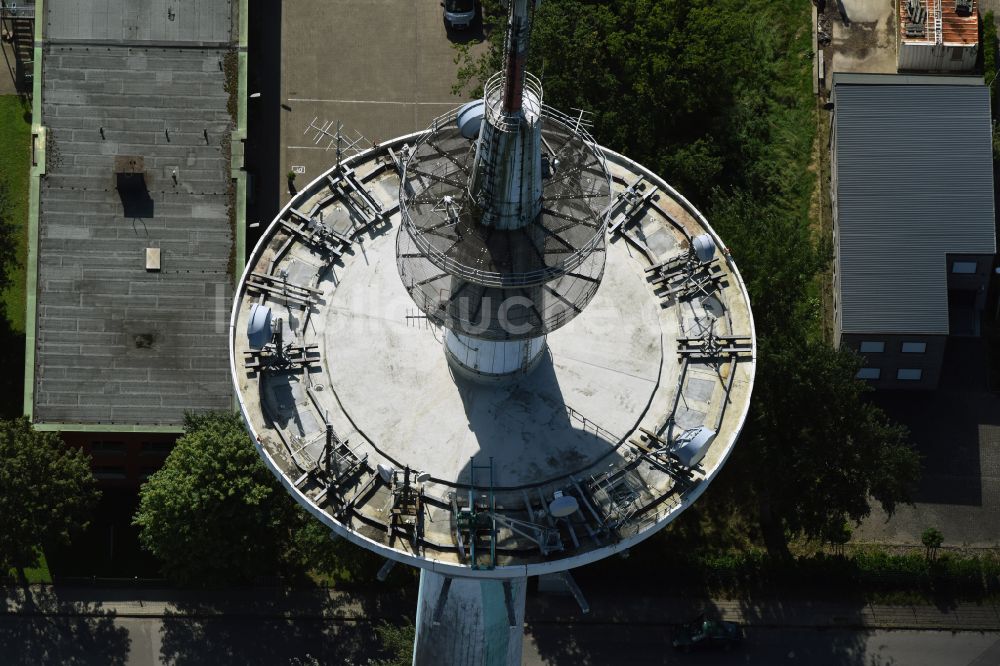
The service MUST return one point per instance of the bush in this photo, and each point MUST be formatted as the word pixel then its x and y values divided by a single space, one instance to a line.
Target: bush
pixel 932 540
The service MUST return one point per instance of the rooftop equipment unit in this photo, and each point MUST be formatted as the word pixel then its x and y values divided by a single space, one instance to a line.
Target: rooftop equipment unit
pixel 963 7
pixel 470 118
pixel 917 13
pixel 692 445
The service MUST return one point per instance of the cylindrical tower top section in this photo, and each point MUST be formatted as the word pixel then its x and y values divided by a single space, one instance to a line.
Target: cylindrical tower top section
pixel 519 16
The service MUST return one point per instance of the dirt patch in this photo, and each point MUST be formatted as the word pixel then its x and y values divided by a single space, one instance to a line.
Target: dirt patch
pixel 863 39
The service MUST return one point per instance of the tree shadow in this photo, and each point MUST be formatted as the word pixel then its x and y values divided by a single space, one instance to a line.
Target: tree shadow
pixel 813 610
pixel 297 624
pixel 108 547
pixel 640 629
pixel 946 425
pixel 11 368
pixel 11 341
pixel 39 628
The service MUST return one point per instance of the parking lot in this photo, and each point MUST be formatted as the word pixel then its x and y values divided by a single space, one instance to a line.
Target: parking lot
pixel 382 68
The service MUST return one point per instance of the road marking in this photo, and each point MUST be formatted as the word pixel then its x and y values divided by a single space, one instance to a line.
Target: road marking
pixel 372 101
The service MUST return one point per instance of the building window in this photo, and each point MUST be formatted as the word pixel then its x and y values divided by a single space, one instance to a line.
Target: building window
pixel 909 374
pixel 913 347
pixel 147 472
pixel 869 373
pixel 964 267
pixel 108 472
pixel 156 448
pixel 956 53
pixel 107 448
pixel 872 347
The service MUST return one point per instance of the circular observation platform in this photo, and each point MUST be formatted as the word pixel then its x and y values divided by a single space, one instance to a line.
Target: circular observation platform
pixel 631 413
pixel 452 263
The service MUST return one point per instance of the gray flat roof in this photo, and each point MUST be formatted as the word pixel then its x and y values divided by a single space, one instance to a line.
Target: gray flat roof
pixel 117 344
pixel 914 183
pixel 204 21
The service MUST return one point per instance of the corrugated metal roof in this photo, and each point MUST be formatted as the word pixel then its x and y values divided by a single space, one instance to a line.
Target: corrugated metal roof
pixel 914 183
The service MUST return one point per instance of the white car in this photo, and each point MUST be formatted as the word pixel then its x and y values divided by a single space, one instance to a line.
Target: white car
pixel 459 13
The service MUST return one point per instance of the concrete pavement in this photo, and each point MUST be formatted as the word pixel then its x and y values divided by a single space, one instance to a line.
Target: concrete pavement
pixel 383 68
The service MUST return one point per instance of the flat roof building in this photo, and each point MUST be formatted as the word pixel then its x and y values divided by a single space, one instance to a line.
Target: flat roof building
pixel 134 241
pixel 938 35
pixel 914 226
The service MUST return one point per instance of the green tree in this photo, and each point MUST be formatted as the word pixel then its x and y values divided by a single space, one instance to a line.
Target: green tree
pixel 47 492
pixel 814 452
pixel 214 514
pixel 336 561
pixel 397 641
pixel 932 540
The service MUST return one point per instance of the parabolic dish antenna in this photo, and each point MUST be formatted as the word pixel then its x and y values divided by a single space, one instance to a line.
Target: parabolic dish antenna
pixel 386 472
pixel 563 505
pixel 259 326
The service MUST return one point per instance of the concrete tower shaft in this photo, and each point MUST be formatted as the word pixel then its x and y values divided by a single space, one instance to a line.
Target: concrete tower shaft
pixel 504 243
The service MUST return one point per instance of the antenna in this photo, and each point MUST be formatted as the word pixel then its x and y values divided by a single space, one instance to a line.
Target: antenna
pixel 386 472
pixel 335 139
pixel 515 53
pixel 563 505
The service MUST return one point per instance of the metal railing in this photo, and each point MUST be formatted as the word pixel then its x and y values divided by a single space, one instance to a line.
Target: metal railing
pixel 531 102
pixel 494 278
pixel 14 10
pixel 435 306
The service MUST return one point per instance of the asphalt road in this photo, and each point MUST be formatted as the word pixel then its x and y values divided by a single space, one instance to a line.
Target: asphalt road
pixel 642 645
pixel 179 641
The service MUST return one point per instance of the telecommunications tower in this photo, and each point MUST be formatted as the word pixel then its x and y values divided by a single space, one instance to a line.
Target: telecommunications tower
pixel 492 349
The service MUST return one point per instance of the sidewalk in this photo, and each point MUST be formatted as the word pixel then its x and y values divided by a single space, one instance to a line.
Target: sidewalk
pixel 767 613
pixel 344 607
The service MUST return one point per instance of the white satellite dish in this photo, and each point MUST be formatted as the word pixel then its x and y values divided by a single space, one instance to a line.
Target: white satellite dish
pixel 386 472
pixel 562 505
pixel 704 247
pixel 259 326
pixel 423 477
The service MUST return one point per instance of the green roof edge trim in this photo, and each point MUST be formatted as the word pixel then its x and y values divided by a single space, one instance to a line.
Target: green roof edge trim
pixel 238 145
pixel 34 198
pixel 107 427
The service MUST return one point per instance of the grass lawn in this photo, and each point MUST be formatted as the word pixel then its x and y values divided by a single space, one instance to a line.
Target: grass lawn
pixel 35 575
pixel 15 162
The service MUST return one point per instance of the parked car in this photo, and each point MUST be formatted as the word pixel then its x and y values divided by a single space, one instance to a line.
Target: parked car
pixel 706 632
pixel 459 14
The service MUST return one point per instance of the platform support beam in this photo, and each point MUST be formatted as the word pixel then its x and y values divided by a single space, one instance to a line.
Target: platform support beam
pixel 472 621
